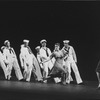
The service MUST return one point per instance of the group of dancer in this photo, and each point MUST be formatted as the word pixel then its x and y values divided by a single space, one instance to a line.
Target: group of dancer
pixel 56 65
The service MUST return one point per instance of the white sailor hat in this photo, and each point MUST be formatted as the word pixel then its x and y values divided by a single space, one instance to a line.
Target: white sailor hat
pixel 43 41
pixel 6 41
pixel 38 47
pixel 66 41
pixel 26 41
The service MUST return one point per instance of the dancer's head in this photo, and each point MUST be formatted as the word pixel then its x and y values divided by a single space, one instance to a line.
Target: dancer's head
pixel 57 46
pixel 7 43
pixel 43 43
pixel 26 42
pixel 66 43
pixel 37 49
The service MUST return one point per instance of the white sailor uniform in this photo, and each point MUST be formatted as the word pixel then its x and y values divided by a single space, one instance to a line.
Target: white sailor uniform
pixel 11 61
pixel 71 63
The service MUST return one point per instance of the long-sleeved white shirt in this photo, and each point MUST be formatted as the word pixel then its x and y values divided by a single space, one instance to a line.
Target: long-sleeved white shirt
pixel 43 53
pixel 71 54
pixel 8 54
pixel 25 55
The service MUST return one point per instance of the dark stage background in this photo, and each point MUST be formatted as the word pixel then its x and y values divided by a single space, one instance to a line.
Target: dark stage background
pixel 55 21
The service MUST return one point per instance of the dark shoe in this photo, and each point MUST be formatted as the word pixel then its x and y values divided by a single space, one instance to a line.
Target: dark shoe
pixel 72 82
pixel 81 83
pixel 45 78
pixel 40 81
pixel 22 80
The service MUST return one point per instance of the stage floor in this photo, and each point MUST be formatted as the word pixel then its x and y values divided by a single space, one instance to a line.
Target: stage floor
pixel 14 90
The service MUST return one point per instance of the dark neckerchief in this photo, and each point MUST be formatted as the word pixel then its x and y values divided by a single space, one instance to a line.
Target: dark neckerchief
pixel 10 49
pixel 67 50
pixel 46 51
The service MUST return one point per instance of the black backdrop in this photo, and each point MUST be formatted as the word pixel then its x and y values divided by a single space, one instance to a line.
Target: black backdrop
pixel 55 21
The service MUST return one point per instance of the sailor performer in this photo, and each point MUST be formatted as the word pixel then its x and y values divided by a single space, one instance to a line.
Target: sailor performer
pixel 11 61
pixel 29 62
pixel 70 62
pixel 45 52
pixel 2 64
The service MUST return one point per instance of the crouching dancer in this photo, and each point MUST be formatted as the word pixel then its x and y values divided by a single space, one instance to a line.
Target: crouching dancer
pixel 58 65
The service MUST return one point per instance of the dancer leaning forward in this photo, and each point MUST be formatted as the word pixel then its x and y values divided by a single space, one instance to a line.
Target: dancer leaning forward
pixel 58 65
pixel 29 63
